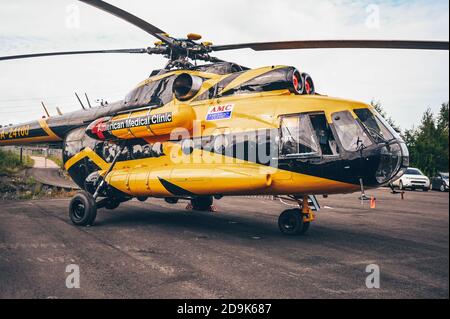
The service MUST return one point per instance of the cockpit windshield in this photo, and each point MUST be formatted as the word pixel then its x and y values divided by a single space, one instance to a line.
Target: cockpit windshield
pixel 350 132
pixel 374 126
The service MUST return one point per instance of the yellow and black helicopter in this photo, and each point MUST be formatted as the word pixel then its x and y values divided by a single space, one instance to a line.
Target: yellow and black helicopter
pixel 201 132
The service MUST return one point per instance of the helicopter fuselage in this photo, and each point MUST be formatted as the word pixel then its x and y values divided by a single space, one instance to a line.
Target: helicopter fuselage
pixel 243 133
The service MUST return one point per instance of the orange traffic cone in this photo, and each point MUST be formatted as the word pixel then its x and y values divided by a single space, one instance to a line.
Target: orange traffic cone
pixel 373 203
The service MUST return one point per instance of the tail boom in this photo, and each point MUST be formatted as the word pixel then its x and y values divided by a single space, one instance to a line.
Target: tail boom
pixel 28 133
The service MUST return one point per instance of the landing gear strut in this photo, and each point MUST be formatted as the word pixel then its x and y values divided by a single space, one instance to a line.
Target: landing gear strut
pixel 83 206
pixel 296 222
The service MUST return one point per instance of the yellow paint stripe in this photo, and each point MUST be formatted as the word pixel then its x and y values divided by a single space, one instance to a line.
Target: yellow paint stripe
pixel 46 128
pixel 87 152
pixel 205 87
pixel 247 76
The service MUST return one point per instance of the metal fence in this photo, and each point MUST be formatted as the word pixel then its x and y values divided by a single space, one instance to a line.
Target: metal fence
pixel 33 151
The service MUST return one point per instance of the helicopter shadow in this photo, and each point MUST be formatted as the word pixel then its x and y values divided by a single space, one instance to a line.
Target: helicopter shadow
pixel 183 220
pixel 249 227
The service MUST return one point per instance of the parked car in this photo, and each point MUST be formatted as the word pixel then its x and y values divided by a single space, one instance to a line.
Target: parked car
pixel 440 182
pixel 413 179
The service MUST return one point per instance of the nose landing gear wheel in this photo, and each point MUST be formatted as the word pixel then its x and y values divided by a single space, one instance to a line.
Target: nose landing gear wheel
pixel 83 209
pixel 291 222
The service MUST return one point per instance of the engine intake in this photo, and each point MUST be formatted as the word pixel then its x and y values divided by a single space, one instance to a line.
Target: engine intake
pixel 309 84
pixel 186 86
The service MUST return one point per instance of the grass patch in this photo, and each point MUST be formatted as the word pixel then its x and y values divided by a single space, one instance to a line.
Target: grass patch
pixel 16 184
pixel 10 162
pixel 57 160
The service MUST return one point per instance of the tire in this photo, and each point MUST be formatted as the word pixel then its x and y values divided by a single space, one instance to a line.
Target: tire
pixel 442 188
pixel 83 209
pixel 202 203
pixel 291 223
pixel 400 186
pixel 426 189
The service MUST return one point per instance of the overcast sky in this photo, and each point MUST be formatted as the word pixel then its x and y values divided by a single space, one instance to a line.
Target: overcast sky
pixel 406 82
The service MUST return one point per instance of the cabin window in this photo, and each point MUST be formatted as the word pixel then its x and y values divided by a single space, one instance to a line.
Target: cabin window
pixel 325 136
pixel 298 137
pixel 350 132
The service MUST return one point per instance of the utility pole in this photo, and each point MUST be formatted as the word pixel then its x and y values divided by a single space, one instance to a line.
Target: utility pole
pixel 46 155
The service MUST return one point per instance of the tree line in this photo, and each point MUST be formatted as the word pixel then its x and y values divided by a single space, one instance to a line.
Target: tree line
pixel 428 143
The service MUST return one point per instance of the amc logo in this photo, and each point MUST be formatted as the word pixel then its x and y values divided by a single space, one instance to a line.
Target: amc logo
pixel 222 108
pixel 220 112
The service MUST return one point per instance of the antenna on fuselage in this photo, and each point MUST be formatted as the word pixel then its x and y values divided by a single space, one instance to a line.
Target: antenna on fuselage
pixel 88 101
pixel 59 111
pixel 45 109
pixel 79 100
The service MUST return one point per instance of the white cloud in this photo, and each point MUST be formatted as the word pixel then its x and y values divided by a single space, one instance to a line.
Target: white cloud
pixel 407 82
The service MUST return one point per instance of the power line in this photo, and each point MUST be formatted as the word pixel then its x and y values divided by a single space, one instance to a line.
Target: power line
pixel 57 97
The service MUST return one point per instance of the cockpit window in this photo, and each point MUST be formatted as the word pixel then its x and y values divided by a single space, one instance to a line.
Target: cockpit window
pixel 376 128
pixel 350 132
pixel 298 137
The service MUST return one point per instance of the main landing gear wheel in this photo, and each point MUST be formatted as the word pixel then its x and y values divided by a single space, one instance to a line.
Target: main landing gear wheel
pixel 202 203
pixel 83 209
pixel 291 222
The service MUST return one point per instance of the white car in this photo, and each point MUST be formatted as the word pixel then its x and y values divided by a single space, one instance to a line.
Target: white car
pixel 413 179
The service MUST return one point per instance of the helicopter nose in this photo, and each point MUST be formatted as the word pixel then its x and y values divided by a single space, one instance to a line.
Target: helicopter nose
pixel 394 160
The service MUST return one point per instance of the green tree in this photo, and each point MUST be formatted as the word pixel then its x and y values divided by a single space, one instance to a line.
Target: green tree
pixel 443 119
pixel 429 143
pixel 377 106
pixel 443 131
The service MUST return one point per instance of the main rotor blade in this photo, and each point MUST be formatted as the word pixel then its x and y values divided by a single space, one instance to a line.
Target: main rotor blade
pixel 337 44
pixel 124 15
pixel 37 55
